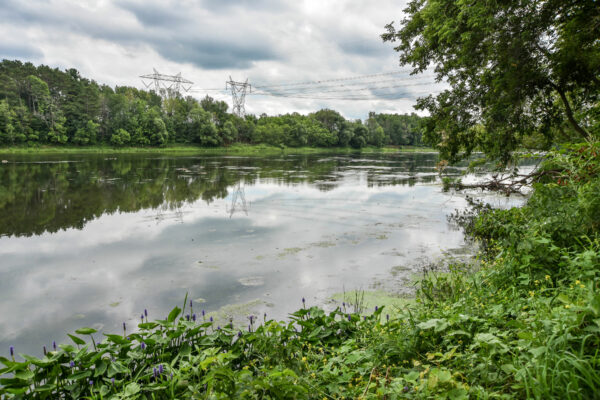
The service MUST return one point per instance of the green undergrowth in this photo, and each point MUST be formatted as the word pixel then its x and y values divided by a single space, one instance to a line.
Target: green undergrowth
pixel 235 149
pixel 526 324
pixel 364 301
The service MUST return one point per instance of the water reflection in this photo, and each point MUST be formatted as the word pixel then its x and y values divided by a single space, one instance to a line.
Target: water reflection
pixel 238 201
pixel 93 241
pixel 46 196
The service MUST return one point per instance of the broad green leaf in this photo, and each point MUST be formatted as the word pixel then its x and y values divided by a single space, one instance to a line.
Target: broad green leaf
pixel 315 332
pixel 85 331
pixel 132 389
pixel 118 339
pixel 173 314
pixel 487 338
pixel 104 390
pixel 437 324
pixel 67 348
pixel 100 368
pixel 444 376
pixel 25 375
pixel 538 351
pixel 80 375
pixel 508 368
pixel 76 339
pixel 525 335
pixel 45 388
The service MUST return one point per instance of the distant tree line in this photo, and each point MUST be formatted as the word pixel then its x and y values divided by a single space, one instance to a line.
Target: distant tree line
pixel 43 105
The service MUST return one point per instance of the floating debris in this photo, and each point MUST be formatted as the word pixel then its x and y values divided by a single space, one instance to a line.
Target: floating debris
pixel 252 281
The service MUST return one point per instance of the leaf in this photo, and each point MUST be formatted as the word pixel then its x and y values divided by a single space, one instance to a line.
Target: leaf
pixel 67 348
pixel 45 388
pixel 538 351
pixel 508 368
pixel 104 390
pixel 100 368
pixel 147 325
pixel 525 335
pixel 76 339
pixel 437 324
pixel 457 394
pixel 17 391
pixel 564 298
pixel 458 333
pixel 444 376
pixel 118 339
pixel 487 338
pixel 25 375
pixel 315 332
pixel 173 314
pixel 80 375
pixel 132 389
pixel 115 368
pixel 36 361
pixel 85 331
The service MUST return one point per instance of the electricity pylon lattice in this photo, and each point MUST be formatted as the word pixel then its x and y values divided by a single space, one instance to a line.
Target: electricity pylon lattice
pixel 167 86
pixel 238 196
pixel 238 94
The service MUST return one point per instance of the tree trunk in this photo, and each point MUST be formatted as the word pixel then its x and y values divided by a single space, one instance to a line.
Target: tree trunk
pixel 569 112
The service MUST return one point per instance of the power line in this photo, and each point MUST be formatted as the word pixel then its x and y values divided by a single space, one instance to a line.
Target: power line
pixel 325 89
pixel 318 82
pixel 351 78
pixel 388 96
pixel 316 88
pixel 370 88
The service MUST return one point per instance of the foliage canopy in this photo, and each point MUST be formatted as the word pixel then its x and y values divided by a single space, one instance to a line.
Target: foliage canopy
pixel 516 69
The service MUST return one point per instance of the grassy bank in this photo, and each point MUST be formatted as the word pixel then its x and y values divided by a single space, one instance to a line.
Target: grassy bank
pixel 237 149
pixel 526 324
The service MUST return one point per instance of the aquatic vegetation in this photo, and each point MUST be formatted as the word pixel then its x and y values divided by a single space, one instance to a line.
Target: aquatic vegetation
pixel 182 358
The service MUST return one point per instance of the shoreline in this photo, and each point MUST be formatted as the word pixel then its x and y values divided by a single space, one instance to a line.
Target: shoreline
pixel 238 149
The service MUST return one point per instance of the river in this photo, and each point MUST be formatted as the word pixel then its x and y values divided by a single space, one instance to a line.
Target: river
pixel 94 240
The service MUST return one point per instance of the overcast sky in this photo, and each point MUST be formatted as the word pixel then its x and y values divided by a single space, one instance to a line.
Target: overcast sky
pixel 267 41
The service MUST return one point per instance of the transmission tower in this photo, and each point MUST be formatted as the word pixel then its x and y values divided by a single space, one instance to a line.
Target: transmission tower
pixel 238 94
pixel 167 86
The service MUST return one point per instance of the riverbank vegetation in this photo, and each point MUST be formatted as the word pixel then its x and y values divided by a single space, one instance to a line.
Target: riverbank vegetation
pixel 40 105
pixel 525 324
pixel 239 149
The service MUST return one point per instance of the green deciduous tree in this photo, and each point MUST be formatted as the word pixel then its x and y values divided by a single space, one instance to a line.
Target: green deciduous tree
pixel 86 135
pixel 360 136
pixel 58 132
pixel 229 132
pixel 120 137
pixel 38 94
pixel 515 69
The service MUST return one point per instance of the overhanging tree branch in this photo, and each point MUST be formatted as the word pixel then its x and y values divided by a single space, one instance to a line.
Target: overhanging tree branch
pixel 569 112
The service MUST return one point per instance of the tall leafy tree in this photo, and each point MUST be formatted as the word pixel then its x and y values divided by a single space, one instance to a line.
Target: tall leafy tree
pixel 515 69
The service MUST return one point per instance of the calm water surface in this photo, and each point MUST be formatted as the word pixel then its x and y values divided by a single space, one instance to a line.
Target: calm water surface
pixel 94 240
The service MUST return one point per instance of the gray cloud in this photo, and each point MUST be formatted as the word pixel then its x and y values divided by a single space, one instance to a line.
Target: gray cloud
pixel 214 53
pixel 271 5
pixel 364 47
pixel 174 33
pixel 153 14
pixel 19 51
